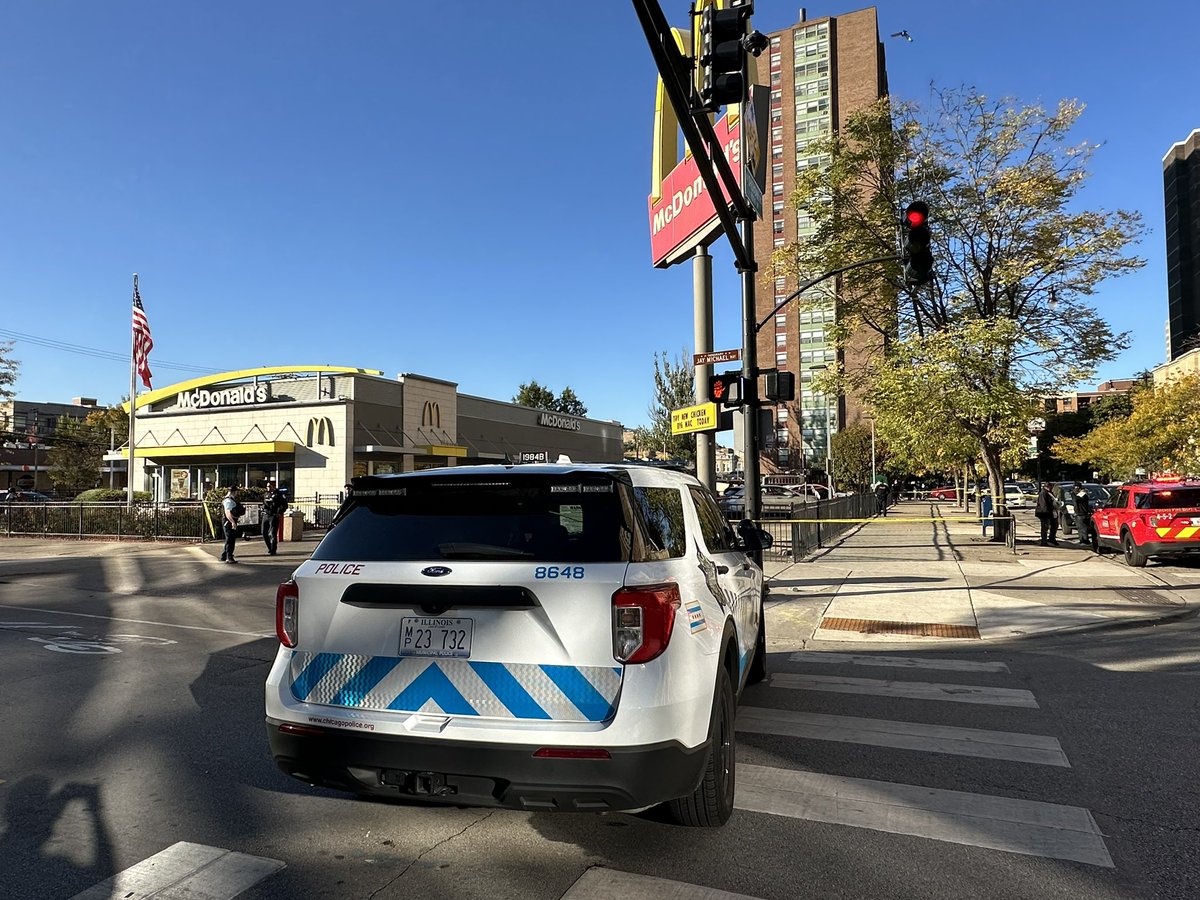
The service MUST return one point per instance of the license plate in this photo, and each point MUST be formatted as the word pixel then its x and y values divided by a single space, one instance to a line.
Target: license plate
pixel 436 636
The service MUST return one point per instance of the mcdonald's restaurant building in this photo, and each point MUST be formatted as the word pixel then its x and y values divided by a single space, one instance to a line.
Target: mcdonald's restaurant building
pixel 311 428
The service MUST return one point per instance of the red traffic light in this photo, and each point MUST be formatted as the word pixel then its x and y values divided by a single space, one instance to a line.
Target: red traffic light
pixel 916 214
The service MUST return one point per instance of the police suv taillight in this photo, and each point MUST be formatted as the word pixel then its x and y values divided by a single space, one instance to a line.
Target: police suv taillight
pixel 287 607
pixel 642 621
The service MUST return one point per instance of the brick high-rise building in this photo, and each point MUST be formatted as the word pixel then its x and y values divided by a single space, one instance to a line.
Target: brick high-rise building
pixel 820 72
pixel 1181 189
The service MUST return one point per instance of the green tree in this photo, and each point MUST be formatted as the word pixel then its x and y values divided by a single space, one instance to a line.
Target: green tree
pixel 8 370
pixel 1008 317
pixel 674 388
pixel 852 456
pixel 537 396
pixel 569 404
pixel 77 454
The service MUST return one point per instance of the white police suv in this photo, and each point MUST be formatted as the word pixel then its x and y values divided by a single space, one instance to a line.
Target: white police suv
pixel 541 637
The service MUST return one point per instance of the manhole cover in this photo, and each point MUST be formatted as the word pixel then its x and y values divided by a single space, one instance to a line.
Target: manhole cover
pixel 920 629
pixel 1145 595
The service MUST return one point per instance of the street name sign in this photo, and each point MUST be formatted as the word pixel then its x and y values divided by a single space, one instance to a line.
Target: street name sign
pixel 716 356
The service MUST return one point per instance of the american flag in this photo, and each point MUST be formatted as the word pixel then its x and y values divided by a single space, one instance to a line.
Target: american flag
pixel 142 342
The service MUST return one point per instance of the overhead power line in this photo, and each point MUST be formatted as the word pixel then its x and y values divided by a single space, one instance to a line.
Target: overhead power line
pixel 97 353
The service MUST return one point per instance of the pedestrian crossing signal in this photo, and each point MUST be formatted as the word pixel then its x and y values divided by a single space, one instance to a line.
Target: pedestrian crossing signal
pixel 725 389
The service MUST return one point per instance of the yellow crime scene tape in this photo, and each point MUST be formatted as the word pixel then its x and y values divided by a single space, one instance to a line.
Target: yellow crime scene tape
pixel 885 519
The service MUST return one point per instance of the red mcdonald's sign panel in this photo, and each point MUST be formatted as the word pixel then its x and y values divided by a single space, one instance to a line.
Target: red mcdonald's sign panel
pixel 684 217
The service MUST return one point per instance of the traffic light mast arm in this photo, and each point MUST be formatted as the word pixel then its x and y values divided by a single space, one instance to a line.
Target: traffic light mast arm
pixel 697 129
pixel 804 287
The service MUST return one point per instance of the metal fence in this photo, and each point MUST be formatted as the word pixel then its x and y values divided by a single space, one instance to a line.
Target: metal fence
pixel 146 521
pixel 799 528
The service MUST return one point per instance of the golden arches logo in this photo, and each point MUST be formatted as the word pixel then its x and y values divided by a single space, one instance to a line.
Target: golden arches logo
pixel 320 431
pixel 431 414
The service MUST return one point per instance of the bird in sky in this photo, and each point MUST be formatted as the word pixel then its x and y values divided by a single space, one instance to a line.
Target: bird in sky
pixel 903 34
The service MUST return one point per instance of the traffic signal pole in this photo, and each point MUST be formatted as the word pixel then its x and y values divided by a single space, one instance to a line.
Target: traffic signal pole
pixel 752 441
pixel 702 318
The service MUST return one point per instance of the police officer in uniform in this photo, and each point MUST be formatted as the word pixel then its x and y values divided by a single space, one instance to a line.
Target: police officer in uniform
pixel 229 523
pixel 273 507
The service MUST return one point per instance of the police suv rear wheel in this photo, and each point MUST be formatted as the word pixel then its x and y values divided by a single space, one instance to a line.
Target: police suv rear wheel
pixel 711 804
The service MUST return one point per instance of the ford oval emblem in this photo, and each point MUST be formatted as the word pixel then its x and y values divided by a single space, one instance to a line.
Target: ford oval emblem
pixel 435 571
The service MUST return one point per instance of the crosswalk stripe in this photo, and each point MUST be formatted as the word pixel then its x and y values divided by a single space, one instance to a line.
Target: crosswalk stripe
pixel 898 662
pixel 911 690
pixel 187 870
pixel 605 884
pixel 1030 827
pixel 1017 747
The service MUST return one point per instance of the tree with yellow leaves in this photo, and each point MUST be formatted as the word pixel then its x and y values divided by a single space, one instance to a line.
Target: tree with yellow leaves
pixel 1007 318
pixel 1162 434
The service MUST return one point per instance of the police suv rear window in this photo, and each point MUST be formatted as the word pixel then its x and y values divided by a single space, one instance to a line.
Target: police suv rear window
pixel 544 518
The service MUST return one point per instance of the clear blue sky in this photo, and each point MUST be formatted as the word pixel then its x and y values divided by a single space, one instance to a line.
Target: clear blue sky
pixel 455 189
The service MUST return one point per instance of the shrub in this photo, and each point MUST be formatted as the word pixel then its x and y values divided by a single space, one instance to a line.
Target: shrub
pixel 110 495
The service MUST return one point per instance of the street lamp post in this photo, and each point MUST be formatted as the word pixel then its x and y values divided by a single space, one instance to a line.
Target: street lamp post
pixel 872 452
pixel 33 442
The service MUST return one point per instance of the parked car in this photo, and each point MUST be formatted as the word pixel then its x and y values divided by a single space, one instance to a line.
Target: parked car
pixel 30 497
pixel 539 637
pixel 774 496
pixel 1017 497
pixel 1146 520
pixel 1064 501
pixel 944 493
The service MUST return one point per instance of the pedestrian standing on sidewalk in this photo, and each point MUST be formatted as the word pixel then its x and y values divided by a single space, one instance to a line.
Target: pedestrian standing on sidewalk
pixel 231 511
pixel 1047 514
pixel 881 498
pixel 1083 516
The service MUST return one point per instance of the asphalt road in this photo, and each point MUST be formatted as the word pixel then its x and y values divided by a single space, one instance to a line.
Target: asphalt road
pixel 132 694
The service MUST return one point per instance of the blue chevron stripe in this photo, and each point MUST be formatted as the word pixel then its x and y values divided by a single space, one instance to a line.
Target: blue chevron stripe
pixel 432 684
pixel 361 682
pixel 318 668
pixel 579 691
pixel 508 690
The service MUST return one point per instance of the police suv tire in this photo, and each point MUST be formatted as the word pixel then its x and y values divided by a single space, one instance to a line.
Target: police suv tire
pixel 758 665
pixel 1064 523
pixel 711 804
pixel 1134 557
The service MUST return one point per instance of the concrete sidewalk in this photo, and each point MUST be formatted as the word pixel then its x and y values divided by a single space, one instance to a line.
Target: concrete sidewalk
pixel 891 580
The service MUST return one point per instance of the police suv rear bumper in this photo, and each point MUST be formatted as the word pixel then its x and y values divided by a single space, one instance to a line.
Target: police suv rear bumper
pixel 476 774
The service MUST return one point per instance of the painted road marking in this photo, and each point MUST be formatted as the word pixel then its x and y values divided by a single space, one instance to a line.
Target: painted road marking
pixel 187 870
pixel 910 690
pixel 1029 748
pixel 605 884
pixel 1030 827
pixel 899 662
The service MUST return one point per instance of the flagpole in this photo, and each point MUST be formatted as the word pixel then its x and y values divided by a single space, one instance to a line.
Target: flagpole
pixel 132 404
